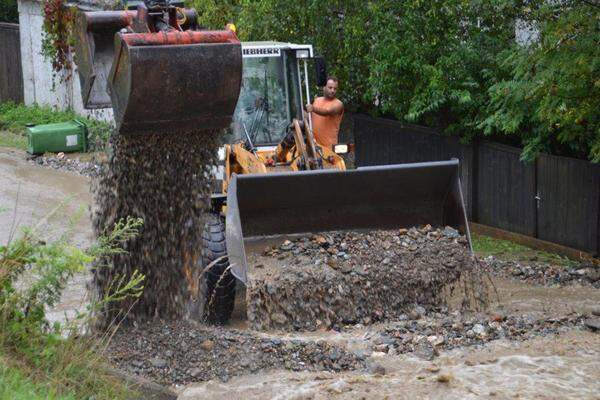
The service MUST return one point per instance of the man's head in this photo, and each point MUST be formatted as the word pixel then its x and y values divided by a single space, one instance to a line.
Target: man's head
pixel 330 89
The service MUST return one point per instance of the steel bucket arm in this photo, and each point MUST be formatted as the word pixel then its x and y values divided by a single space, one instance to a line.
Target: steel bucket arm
pixel 381 197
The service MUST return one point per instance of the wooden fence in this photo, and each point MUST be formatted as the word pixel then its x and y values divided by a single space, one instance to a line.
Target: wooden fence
pixel 556 199
pixel 11 74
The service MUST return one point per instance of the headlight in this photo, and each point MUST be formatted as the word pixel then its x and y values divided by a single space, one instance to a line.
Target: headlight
pixel 231 27
pixel 340 148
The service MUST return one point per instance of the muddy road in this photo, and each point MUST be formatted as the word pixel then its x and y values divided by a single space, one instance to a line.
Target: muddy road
pixel 531 343
pixel 57 202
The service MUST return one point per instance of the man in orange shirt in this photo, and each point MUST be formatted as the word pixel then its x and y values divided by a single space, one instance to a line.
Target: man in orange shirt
pixel 327 113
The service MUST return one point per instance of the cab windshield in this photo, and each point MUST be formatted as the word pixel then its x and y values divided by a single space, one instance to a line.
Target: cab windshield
pixel 267 100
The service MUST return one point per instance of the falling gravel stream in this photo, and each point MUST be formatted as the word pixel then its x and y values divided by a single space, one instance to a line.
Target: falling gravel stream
pixel 163 178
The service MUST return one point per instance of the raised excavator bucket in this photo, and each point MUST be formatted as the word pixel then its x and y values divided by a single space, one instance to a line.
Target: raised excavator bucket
pixel 382 197
pixel 157 71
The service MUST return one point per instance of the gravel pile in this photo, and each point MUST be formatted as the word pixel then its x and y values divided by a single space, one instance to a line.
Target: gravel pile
pixel 62 163
pixel 330 280
pixel 426 336
pixel 183 352
pixel 541 273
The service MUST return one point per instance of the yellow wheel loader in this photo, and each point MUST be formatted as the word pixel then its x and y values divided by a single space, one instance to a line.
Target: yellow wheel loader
pixel 275 179
pixel 162 74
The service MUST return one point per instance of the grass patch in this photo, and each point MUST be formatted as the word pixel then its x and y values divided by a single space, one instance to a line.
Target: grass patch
pixel 15 117
pixel 14 140
pixel 15 385
pixel 64 368
pixel 485 246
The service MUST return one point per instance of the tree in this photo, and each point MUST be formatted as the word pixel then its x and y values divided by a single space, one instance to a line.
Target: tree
pixel 338 29
pixel 552 94
pixel 9 11
pixel 450 64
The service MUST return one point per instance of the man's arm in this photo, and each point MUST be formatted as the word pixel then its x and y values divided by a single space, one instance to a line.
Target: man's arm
pixel 335 109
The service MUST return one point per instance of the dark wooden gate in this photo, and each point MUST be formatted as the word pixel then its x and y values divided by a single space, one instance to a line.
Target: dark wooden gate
pixel 569 199
pixel 11 74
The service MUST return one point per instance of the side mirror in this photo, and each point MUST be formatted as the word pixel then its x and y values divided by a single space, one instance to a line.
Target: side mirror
pixel 321 71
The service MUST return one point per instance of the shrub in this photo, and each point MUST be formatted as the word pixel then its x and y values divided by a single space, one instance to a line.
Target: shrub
pixel 33 274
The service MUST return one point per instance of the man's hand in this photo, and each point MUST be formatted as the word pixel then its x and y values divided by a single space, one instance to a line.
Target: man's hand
pixel 309 108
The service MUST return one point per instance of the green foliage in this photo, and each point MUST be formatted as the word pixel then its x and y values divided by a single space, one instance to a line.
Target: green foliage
pixel 451 64
pixel 9 11
pixel 216 14
pixel 427 62
pixel 33 275
pixel 434 60
pixel 337 29
pixel 9 139
pixel 56 39
pixel 15 117
pixel 552 94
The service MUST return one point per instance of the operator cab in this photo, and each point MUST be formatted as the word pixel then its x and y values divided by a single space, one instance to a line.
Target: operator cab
pixel 271 93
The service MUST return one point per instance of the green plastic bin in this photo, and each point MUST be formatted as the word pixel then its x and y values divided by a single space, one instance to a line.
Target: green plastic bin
pixel 64 137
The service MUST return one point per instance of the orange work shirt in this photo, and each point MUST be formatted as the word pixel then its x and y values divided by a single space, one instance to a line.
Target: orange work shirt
pixel 326 127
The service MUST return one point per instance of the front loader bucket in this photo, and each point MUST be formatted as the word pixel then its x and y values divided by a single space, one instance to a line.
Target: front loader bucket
pixel 157 81
pixel 172 82
pixel 382 197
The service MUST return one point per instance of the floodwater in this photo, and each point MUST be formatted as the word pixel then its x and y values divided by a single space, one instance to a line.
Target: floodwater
pixel 565 366
pixel 53 201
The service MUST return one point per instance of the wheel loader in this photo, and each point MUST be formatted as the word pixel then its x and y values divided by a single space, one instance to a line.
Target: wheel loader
pixel 273 178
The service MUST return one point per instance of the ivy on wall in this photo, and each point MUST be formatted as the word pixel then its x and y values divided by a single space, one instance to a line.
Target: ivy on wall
pixel 56 38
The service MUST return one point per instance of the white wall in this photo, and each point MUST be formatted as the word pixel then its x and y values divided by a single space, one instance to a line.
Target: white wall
pixel 40 85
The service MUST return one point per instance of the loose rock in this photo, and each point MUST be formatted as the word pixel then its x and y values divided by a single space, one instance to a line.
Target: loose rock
pixel 233 353
pixel 381 275
pixel 593 324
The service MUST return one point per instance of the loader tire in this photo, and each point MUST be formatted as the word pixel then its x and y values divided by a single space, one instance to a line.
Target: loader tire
pixel 217 284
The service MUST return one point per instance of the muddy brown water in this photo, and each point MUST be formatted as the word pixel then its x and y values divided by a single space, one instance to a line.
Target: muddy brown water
pixel 553 367
pixel 563 367
pixel 30 194
pixel 55 202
